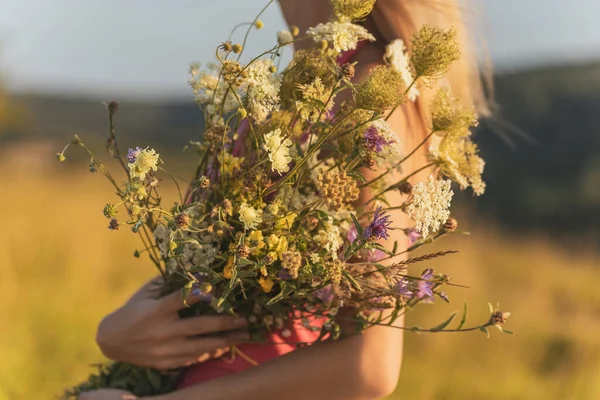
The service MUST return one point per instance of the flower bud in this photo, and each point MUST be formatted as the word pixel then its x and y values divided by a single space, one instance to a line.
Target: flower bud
pixel 405 187
pixel 227 46
pixel 294 30
pixel 258 24
pixel 237 48
pixel 60 157
pixel 451 225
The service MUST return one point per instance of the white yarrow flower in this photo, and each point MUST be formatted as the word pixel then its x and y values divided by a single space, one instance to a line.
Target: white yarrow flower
pixel 396 55
pixel 342 36
pixel 430 205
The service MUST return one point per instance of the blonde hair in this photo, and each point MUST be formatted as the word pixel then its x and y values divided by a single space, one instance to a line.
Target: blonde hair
pixel 400 19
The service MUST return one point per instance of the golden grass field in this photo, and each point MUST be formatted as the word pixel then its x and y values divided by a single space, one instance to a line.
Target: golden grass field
pixel 61 270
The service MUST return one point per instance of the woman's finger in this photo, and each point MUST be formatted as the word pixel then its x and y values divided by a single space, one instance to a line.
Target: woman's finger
pixel 174 302
pixel 195 348
pixel 206 324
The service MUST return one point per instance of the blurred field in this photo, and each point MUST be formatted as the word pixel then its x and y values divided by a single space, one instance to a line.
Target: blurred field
pixel 61 271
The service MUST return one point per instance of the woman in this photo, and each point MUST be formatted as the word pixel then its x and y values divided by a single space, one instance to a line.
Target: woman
pixel 367 366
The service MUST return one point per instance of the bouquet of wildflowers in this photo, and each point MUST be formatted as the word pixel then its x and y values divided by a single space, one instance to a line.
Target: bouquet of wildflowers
pixel 270 227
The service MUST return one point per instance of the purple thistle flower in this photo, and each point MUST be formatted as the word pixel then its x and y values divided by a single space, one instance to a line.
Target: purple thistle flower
pixel 378 228
pixel 424 286
pixel 374 141
pixel 133 153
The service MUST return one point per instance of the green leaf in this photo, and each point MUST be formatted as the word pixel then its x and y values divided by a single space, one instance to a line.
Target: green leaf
pixel 508 332
pixel 395 247
pixel 352 280
pixel 444 324
pixel 485 330
pixel 284 293
pixel 464 317
pixel 223 297
pixel 359 228
pixel 242 262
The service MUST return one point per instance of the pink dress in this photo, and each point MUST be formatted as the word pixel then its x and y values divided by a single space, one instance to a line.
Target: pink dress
pixel 277 344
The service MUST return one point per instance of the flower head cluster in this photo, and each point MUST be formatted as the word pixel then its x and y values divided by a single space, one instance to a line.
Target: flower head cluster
pixel 317 99
pixel 291 261
pixel 210 92
pixel 379 138
pixel 396 56
pixel 352 10
pixel 378 228
pixel 263 89
pixel 433 51
pixel 382 90
pixel 447 116
pixel 278 150
pixel 250 216
pixel 430 204
pixel 337 188
pixel 141 162
pixel 284 38
pixel 341 36
pixel 459 160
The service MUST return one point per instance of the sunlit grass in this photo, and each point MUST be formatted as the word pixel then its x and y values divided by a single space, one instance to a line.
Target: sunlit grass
pixel 61 271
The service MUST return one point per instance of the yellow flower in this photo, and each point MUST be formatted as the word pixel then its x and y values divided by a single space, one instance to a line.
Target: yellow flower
pixel 286 222
pixel 352 9
pixel 256 241
pixel 434 50
pixel 228 270
pixel 266 284
pixel 382 90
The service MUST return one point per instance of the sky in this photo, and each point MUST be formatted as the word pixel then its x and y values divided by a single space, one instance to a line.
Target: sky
pixel 142 49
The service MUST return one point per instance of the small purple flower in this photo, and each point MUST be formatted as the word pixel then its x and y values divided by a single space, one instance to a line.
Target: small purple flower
pixel 114 224
pixel 198 293
pixel 375 255
pixel 374 141
pixel 325 294
pixel 133 153
pixel 378 228
pixel 403 288
pixel 424 286
pixel 413 236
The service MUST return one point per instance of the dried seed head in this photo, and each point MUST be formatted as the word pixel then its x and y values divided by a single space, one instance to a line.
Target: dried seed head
pixel 182 220
pixel 237 48
pixel 451 225
pixel 405 187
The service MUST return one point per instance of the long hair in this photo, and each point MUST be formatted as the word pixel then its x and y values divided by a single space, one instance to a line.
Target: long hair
pixel 400 19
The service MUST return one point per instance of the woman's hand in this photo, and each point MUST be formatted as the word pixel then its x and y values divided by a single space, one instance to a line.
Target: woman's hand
pixel 148 332
pixel 107 394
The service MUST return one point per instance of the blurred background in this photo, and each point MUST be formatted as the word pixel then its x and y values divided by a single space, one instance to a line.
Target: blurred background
pixel 536 232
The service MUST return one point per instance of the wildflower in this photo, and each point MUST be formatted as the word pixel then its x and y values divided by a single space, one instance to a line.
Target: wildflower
pixel 498 318
pixel 109 211
pixel 433 51
pixel 278 150
pixel 348 70
pixel 113 107
pixel 263 89
pixel 182 220
pixel 425 286
pixel 352 10
pixel 342 36
pixel 379 138
pixel 284 37
pixel 114 224
pixel 413 235
pixel 136 191
pixel 294 30
pixel 237 48
pixel 378 228
pixel 333 271
pixel 232 72
pixel 430 204
pixel 329 238
pixel 258 24
pixel 142 162
pixel 448 117
pixel 396 56
pixel 459 160
pixel 256 241
pixel 286 222
pixel 202 291
pixel 243 251
pixel 60 157
pixel 228 207
pixel 450 225
pixel 291 261
pixel 317 99
pixel 133 153
pixel 266 284
pixel 227 46
pixel 337 188
pixel 403 289
pixel 249 216
pixel 382 90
